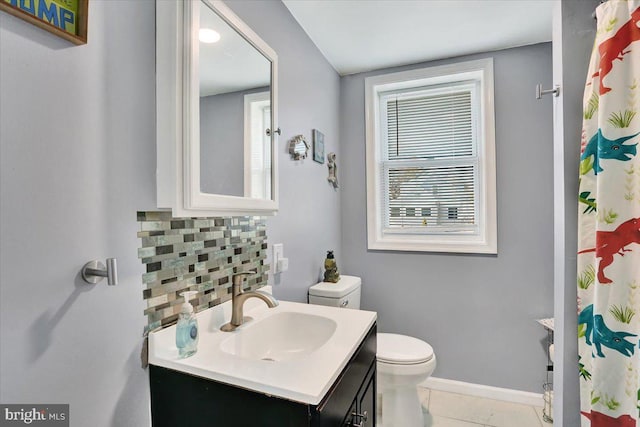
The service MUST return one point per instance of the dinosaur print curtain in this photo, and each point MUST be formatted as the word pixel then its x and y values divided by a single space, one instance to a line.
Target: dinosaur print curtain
pixel 609 223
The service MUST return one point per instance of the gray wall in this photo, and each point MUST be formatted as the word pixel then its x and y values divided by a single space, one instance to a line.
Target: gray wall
pixel 308 222
pixel 222 130
pixel 77 150
pixel 574 33
pixel 77 160
pixel 476 311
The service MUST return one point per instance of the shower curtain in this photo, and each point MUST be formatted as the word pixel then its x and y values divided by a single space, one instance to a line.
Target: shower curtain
pixel 609 223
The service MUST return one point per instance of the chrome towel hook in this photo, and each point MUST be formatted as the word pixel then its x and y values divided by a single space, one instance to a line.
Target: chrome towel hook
pixel 539 91
pixel 94 271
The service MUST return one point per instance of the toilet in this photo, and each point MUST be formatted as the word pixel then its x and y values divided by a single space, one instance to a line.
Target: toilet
pixel 403 362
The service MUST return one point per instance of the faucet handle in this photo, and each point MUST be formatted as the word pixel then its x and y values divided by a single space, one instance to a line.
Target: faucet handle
pixel 238 278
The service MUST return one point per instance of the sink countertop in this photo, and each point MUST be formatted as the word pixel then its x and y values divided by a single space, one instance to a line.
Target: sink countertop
pixel 306 379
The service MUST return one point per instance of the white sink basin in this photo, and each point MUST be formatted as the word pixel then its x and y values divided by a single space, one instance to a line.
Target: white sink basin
pixel 283 336
pixel 293 351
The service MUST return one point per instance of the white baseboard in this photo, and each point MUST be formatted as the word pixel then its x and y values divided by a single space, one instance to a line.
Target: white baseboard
pixel 479 390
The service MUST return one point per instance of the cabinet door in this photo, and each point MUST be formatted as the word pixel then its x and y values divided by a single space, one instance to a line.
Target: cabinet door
pixel 367 401
pixel 363 410
pixel 349 420
pixel 338 405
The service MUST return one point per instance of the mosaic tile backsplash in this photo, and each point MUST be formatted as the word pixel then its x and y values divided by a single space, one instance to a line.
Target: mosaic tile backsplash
pixel 197 254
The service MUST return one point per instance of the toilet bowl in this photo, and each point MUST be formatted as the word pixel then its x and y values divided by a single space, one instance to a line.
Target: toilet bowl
pixel 402 363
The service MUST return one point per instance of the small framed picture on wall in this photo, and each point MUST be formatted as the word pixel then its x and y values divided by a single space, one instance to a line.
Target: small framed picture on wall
pixel 64 18
pixel 318 146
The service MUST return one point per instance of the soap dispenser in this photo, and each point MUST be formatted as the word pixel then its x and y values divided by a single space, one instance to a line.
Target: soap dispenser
pixel 187 328
pixel 331 269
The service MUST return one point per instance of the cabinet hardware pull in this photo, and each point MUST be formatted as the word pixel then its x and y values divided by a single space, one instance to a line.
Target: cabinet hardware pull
pixel 364 417
pixel 345 303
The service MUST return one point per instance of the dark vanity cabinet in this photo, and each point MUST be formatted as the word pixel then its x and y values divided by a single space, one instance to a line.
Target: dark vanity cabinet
pixel 363 409
pixel 183 400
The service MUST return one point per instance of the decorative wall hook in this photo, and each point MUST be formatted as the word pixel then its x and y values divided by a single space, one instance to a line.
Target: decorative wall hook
pixel 333 169
pixel 94 271
pixel 298 147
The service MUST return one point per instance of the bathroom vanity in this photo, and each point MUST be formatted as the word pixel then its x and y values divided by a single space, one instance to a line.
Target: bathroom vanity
pixel 186 400
pixel 292 365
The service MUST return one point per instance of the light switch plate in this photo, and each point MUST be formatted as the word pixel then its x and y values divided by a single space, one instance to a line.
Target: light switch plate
pixel 278 253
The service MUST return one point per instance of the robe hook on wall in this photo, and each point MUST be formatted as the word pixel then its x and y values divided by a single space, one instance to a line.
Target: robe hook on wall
pixel 94 271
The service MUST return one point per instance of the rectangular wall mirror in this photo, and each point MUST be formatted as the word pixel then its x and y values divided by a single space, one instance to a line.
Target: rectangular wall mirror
pixel 217 106
pixel 235 111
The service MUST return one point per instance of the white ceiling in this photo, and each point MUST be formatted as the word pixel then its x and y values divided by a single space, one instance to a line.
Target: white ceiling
pixel 364 35
pixel 231 64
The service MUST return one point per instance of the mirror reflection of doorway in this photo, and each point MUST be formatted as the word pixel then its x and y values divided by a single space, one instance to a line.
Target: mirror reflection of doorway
pixel 257 145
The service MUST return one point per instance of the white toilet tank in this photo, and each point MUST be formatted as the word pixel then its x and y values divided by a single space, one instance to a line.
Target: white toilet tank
pixel 345 293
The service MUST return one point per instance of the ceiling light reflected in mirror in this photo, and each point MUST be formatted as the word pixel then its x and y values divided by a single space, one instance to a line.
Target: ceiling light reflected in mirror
pixel 207 35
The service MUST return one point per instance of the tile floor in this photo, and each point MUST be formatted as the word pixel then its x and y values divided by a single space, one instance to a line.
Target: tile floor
pixel 444 409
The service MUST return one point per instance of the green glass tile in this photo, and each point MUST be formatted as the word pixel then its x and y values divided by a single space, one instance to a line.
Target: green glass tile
pixel 146 252
pixel 160 299
pixel 159 258
pixel 162 240
pixel 169 321
pixel 150 277
pixel 174 263
pixel 203 223
pixel 180 262
pixel 197 246
pixel 205 286
pixel 209 235
pixel 155 215
pixel 155 324
pixel 201 307
pixel 155 225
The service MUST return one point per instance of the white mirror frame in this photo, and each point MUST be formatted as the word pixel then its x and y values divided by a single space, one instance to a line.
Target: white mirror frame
pixel 177 114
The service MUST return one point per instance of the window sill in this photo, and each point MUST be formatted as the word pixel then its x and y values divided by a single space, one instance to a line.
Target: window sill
pixel 432 245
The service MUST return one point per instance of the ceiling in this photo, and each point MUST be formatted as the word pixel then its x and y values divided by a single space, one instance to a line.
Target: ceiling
pixel 364 35
pixel 231 64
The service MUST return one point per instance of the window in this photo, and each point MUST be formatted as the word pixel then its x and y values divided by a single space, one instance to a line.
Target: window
pixel 431 159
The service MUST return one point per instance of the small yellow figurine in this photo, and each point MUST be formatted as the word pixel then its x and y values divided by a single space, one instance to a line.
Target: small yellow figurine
pixel 331 269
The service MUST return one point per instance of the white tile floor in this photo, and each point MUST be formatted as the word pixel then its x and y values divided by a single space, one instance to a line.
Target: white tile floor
pixel 444 409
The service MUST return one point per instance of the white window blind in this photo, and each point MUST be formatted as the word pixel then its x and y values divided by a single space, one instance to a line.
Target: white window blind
pixel 430 159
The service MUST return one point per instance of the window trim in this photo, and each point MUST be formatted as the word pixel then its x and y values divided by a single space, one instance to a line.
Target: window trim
pixel 486 241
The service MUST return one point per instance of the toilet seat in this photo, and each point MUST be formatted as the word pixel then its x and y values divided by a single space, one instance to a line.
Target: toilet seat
pixel 398 349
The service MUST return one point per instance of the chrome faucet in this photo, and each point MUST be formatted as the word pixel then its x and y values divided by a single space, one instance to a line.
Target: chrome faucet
pixel 238 299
